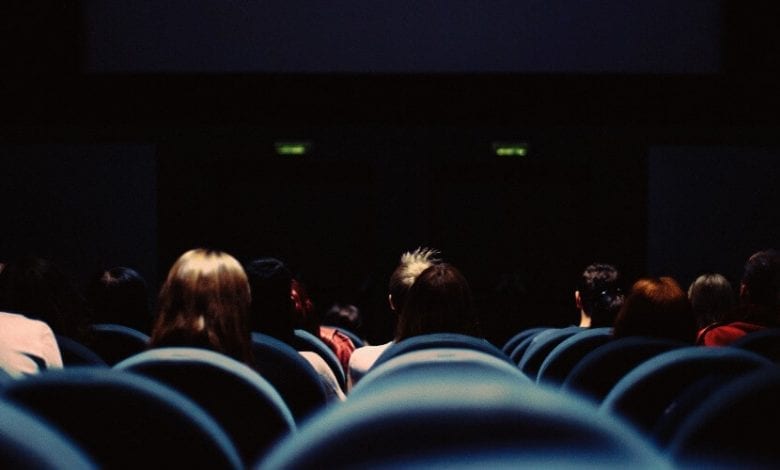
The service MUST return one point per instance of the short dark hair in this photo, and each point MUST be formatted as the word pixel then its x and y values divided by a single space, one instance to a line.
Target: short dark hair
pixel 120 295
pixel 601 293
pixel 761 278
pixel 270 282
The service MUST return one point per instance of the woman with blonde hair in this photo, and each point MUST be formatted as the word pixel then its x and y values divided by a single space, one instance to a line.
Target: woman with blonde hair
pixel 204 302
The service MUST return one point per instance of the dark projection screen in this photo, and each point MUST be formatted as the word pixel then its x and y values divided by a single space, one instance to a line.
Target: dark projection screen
pixel 404 36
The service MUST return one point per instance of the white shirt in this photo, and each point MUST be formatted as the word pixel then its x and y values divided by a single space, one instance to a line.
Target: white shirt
pixel 22 337
pixel 362 359
pixel 327 377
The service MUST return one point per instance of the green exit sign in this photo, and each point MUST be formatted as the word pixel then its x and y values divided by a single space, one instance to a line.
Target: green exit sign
pixel 292 148
pixel 510 149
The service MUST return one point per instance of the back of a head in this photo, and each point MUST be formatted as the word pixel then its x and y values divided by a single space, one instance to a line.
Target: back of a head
pixel 412 263
pixel 271 310
pixel 656 307
pixel 761 279
pixel 204 302
pixel 711 297
pixel 120 295
pixel 601 293
pixel 440 300
pixel 38 288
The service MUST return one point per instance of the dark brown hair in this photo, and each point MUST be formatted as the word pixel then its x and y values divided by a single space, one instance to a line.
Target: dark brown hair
pixel 440 300
pixel 204 302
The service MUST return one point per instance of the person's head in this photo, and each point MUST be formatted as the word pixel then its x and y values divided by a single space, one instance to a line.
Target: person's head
pixel 38 288
pixel 304 315
pixel 440 300
pixel 120 295
pixel 412 263
pixel 599 294
pixel 761 279
pixel 271 309
pixel 344 316
pixel 711 297
pixel 204 302
pixel 656 307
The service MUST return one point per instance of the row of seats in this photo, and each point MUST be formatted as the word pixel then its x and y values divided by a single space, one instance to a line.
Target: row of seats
pixel 434 400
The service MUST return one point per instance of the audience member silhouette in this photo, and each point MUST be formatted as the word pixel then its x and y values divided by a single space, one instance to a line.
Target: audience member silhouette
pixel 38 288
pixel 204 302
pixel 712 299
pixel 306 318
pixel 439 301
pixel 656 307
pixel 119 295
pixel 599 295
pixel 411 264
pixel 346 316
pixel 272 312
pixel 759 301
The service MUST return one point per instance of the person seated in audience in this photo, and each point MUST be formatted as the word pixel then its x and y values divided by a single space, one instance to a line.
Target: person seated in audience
pixel 759 301
pixel 38 288
pixel 204 303
pixel 712 299
pixel 27 346
pixel 439 301
pixel 119 295
pixel 271 312
pixel 599 295
pixel 411 264
pixel 656 307
pixel 306 318
pixel 344 315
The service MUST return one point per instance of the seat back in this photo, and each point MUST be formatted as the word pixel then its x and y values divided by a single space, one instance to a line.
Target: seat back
pixel 563 357
pixel 114 342
pixel 292 375
pixel 26 441
pixel 765 342
pixel 458 414
pixel 75 353
pixel 246 405
pixel 305 341
pixel 599 371
pixel 647 391
pixel 540 346
pixel 469 362
pixel 124 420
pixel 438 340
pixel 729 429
pixel 518 337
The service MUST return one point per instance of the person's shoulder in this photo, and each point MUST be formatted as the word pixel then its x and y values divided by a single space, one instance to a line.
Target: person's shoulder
pixel 725 333
pixel 367 354
pixel 18 321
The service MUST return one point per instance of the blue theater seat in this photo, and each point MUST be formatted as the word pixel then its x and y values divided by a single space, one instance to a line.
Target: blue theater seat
pixel 477 412
pixel 125 420
pixel 439 340
pixel 26 441
pixel 563 357
pixel 246 405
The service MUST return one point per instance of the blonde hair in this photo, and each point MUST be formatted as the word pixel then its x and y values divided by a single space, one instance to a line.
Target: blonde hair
pixel 412 263
pixel 204 302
